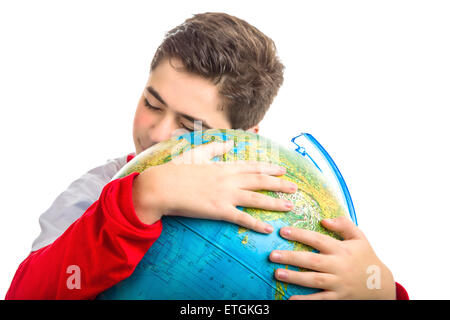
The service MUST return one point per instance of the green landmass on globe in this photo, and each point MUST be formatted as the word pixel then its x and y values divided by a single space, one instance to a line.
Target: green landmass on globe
pixel 200 259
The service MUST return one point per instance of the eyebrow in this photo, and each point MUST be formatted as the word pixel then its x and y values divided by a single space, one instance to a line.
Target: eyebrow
pixel 157 96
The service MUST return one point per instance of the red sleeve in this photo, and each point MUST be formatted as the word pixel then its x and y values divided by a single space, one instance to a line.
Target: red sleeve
pixel 97 251
pixel 401 292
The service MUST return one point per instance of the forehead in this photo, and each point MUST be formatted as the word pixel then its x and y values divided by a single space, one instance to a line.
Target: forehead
pixel 187 93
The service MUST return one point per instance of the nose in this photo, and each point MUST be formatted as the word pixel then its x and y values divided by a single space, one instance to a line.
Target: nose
pixel 162 130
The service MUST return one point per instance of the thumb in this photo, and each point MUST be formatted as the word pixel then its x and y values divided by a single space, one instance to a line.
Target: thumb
pixel 205 152
pixel 344 227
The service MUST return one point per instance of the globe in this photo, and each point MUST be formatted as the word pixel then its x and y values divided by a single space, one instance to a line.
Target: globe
pixel 208 259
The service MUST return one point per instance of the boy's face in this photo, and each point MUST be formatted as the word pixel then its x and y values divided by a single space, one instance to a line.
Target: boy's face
pixel 173 100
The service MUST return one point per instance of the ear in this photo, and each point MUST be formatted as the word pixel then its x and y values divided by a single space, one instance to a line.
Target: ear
pixel 254 129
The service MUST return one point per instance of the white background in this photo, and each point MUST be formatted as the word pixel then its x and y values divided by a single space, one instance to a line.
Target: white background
pixel 369 79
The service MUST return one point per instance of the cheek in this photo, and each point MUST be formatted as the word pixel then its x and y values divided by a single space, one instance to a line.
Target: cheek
pixel 142 119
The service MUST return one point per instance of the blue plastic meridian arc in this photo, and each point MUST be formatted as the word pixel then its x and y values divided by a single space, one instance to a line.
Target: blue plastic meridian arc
pixel 334 168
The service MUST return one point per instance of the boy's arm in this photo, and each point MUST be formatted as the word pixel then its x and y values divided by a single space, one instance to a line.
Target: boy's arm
pixel 98 250
pixel 106 243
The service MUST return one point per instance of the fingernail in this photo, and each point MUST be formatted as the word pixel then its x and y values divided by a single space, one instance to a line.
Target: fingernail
pixel 293 187
pixel 276 256
pixel 288 204
pixel 268 229
pixel 285 231
pixel 281 274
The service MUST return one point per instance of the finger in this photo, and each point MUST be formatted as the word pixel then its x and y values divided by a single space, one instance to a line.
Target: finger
pixel 266 182
pixel 344 227
pixel 251 199
pixel 214 149
pixel 316 280
pixel 321 242
pixel 204 153
pixel 245 220
pixel 268 168
pixel 309 260
pixel 323 295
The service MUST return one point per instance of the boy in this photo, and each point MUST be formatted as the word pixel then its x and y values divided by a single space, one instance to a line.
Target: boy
pixel 219 70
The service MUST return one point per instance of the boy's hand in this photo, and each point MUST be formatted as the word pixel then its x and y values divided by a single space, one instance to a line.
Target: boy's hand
pixel 343 269
pixel 193 186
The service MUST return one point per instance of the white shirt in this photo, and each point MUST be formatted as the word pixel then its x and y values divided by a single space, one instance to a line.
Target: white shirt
pixel 73 202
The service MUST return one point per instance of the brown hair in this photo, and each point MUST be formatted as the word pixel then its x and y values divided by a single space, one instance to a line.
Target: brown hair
pixel 237 57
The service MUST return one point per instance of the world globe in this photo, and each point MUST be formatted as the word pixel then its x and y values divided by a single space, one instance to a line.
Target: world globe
pixel 197 259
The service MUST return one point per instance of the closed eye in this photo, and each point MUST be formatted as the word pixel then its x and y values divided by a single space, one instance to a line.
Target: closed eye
pixel 151 107
pixel 188 128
